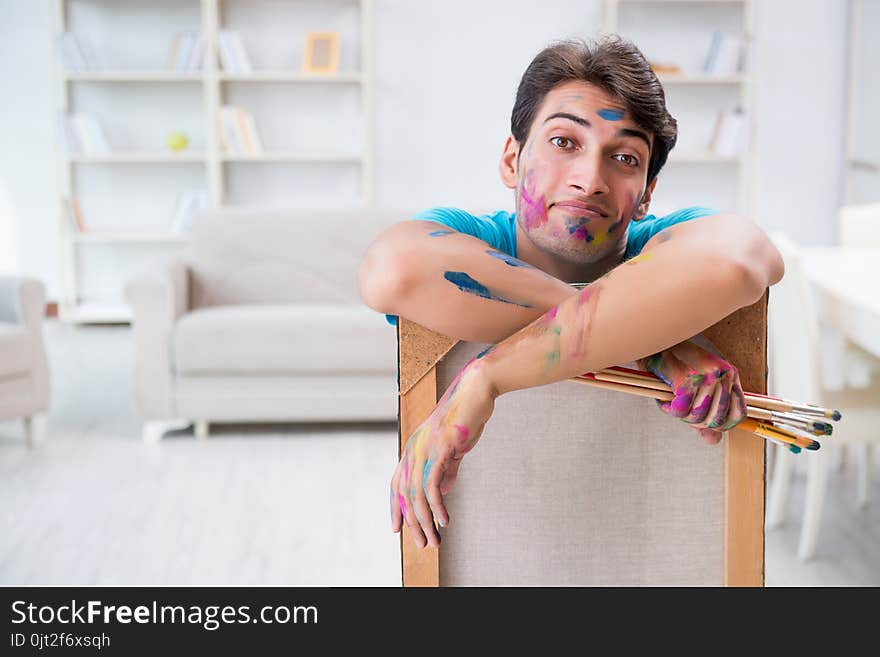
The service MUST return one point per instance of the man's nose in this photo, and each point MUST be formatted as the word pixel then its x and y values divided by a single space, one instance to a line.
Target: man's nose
pixel 588 175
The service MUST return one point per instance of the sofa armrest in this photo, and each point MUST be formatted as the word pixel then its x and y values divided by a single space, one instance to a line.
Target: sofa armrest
pixel 22 301
pixel 157 299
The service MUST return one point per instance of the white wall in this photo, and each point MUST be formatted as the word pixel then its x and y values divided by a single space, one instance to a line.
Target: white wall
pixel 446 76
pixel 28 172
pixel 801 116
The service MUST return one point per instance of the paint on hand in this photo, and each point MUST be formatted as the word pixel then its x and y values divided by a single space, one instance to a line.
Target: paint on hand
pixel 440 233
pixel 611 114
pixel 700 411
pixel 467 284
pixel 427 471
pixel 680 406
pixel 401 500
pixel 723 409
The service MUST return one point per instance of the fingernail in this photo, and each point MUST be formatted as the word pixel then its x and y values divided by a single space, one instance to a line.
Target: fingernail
pixel 442 524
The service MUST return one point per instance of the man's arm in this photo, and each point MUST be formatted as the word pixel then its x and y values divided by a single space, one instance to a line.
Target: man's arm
pixel 686 279
pixel 454 283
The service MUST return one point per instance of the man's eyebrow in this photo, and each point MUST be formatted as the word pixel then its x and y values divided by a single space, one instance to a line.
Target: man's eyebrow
pixel 623 132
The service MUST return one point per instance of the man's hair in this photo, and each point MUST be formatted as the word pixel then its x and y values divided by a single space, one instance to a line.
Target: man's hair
pixel 612 64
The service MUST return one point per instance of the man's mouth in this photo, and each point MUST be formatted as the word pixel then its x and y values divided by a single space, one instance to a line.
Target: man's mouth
pixel 581 208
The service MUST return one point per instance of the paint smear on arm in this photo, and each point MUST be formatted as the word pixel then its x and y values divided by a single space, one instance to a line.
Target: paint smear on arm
pixel 471 286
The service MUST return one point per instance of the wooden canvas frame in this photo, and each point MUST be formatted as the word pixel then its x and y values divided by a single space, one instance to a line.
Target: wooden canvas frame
pixel 321 53
pixel 741 337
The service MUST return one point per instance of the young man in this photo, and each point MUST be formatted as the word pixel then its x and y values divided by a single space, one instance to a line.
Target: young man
pixel 590 132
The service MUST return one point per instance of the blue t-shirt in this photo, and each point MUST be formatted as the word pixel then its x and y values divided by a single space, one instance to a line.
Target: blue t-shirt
pixel 498 229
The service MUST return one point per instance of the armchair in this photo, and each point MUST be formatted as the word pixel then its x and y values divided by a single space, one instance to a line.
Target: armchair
pixel 24 368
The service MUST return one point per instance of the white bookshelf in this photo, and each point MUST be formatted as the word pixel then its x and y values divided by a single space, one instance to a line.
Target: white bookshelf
pixel 316 129
pixel 680 31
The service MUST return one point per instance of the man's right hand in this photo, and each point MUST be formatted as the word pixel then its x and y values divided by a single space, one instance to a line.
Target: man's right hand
pixel 431 457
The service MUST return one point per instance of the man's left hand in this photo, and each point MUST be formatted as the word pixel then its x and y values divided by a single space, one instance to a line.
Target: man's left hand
pixel 708 394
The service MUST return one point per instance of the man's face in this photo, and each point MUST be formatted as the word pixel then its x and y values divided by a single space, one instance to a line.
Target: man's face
pixel 581 175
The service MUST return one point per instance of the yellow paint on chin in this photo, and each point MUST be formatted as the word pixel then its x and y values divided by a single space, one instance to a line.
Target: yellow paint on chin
pixel 600 238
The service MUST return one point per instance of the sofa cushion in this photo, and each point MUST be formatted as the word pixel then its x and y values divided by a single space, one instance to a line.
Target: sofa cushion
pixel 268 338
pixel 244 255
pixel 16 351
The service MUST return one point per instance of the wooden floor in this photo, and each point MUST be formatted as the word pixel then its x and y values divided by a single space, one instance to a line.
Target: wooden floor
pixel 262 505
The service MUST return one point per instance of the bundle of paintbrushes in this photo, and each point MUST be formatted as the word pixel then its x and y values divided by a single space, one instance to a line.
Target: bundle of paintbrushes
pixel 784 422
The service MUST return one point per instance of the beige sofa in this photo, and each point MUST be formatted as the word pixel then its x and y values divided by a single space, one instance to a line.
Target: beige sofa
pixel 260 320
pixel 24 368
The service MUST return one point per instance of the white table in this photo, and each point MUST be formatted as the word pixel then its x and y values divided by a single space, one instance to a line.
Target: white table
pixel 847 285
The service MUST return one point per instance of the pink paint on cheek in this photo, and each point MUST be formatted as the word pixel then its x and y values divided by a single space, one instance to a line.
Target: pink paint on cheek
pixel 534 212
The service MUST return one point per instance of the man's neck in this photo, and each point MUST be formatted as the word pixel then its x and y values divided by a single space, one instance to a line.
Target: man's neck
pixel 527 251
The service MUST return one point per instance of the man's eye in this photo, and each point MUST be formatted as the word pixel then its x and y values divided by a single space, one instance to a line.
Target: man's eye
pixel 632 161
pixel 564 139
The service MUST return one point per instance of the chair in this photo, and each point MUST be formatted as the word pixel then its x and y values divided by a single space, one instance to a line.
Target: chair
pixel 859 228
pixel 24 369
pixel 796 366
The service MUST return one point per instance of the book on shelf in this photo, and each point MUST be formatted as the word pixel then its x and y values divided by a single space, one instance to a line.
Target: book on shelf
pixel 188 204
pixel 233 56
pixel 187 52
pixel 238 131
pixel 726 53
pixel 74 215
pixel 82 133
pixel 730 135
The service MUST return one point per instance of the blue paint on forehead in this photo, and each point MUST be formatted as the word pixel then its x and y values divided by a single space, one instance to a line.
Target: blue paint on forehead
pixel 611 114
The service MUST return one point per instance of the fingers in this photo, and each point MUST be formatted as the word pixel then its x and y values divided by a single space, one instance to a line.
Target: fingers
pixel 720 402
pixel 431 476
pixel 710 436
pixel 422 511
pixel 680 406
pixel 738 410
pixel 402 508
pixel 450 474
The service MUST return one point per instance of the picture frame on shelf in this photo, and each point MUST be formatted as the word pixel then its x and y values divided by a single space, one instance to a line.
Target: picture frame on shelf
pixel 321 53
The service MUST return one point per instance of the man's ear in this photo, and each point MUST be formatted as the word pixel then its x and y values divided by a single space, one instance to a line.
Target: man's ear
pixel 642 211
pixel 509 164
